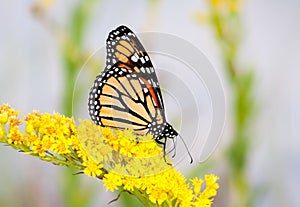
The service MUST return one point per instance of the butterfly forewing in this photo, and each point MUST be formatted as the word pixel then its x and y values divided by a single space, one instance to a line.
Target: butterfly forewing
pixel 124 48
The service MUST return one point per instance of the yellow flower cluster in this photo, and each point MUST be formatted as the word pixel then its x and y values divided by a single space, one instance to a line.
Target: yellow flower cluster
pixel 122 152
pixel 8 115
pixel 140 167
pixel 169 187
pixel 52 138
pixel 126 143
pixel 45 132
pixel 120 158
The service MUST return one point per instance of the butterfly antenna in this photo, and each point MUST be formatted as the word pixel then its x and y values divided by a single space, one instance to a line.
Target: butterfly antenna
pixel 186 148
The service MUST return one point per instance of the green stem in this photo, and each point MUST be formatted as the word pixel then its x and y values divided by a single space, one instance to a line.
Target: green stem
pixel 72 52
pixel 228 34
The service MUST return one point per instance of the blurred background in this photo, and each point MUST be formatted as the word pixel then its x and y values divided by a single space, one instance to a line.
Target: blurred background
pixel 254 46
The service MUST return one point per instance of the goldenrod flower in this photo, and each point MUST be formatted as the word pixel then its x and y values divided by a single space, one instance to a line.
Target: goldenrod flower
pixel 92 168
pixel 112 181
pixel 114 156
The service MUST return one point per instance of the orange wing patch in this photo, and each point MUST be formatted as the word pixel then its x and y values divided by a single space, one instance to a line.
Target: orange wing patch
pixel 121 57
pixel 106 100
pixel 152 92
pixel 137 108
pixel 150 106
pixel 123 50
pixel 130 91
pixel 138 88
pixel 122 65
pixel 108 90
pixel 109 112
pixel 126 45
pixel 119 124
pixel 114 82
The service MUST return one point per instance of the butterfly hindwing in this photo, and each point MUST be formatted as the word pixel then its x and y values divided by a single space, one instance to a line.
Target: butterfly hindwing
pixel 120 99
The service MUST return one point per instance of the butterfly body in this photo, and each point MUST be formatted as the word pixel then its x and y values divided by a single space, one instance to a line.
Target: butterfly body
pixel 126 94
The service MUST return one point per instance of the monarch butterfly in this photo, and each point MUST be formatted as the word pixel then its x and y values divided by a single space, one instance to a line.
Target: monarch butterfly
pixel 126 94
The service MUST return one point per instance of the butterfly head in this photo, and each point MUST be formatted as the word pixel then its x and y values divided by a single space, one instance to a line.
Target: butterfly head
pixel 163 131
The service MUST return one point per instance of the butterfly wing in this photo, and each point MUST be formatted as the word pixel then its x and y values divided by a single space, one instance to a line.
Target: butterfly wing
pixel 126 94
pixel 124 48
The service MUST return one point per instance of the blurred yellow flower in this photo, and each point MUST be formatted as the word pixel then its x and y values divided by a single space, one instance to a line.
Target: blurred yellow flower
pixel 41 6
pixel 47 3
pixel 225 5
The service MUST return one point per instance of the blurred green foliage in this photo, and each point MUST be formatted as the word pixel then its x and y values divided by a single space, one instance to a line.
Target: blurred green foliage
pixel 73 56
pixel 73 51
pixel 226 22
pixel 73 59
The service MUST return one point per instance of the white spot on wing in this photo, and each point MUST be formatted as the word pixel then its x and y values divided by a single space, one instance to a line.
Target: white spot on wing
pixel 134 59
pixel 148 70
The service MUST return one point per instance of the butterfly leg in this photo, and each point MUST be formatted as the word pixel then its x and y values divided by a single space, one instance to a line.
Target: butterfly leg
pixel 165 144
pixel 164 148
pixel 137 139
pixel 173 149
